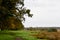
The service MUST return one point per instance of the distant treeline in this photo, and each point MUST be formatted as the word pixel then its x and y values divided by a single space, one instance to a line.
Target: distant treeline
pixel 43 28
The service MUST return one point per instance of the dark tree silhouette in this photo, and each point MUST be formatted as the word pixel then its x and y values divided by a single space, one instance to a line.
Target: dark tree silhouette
pixel 12 14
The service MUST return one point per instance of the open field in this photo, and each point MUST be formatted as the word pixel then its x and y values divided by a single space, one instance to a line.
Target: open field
pixel 29 35
pixel 13 35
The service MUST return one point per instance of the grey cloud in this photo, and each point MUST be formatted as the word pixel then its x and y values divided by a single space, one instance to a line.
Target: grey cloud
pixel 46 13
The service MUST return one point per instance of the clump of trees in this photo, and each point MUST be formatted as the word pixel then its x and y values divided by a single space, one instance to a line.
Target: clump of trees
pixel 52 30
pixel 12 14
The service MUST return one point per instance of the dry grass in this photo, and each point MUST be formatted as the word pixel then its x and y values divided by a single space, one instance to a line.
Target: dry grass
pixel 47 35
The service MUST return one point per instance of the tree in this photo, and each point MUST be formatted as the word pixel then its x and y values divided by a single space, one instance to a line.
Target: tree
pixel 12 14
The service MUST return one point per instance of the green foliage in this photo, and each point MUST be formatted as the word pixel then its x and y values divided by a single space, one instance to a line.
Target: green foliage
pixel 52 30
pixel 12 10
pixel 11 7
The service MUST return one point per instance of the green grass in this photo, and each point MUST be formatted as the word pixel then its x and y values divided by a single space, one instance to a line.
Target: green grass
pixel 11 35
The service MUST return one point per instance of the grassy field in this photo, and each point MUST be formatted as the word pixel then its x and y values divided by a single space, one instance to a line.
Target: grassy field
pixel 15 35
pixel 29 35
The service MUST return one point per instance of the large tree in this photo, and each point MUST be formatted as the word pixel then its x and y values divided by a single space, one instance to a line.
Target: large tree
pixel 12 14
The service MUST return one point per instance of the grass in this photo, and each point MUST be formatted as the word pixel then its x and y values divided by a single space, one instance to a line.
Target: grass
pixel 11 35
pixel 29 35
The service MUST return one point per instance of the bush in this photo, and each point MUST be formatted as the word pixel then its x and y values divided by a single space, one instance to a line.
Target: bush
pixel 52 30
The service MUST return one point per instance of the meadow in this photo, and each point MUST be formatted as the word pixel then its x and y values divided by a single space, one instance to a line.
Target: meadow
pixel 16 35
pixel 29 35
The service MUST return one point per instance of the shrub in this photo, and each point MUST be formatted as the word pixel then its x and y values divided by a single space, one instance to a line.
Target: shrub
pixel 52 30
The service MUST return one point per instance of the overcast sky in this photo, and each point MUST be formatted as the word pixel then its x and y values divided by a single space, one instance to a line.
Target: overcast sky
pixel 45 13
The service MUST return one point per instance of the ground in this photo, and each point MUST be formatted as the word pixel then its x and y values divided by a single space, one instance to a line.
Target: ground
pixel 16 35
pixel 29 35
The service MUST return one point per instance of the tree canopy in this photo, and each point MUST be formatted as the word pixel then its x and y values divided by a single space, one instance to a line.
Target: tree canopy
pixel 12 13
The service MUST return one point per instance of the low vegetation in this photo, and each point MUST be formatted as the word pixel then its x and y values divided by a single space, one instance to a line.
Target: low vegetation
pixel 47 35
pixel 30 34
pixel 15 35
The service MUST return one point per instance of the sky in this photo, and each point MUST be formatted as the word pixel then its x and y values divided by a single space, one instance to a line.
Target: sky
pixel 46 13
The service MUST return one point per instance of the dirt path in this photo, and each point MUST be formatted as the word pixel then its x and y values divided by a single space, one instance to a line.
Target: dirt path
pixel 19 38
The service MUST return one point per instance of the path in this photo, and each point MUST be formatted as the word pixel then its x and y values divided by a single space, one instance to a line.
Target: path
pixel 19 38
